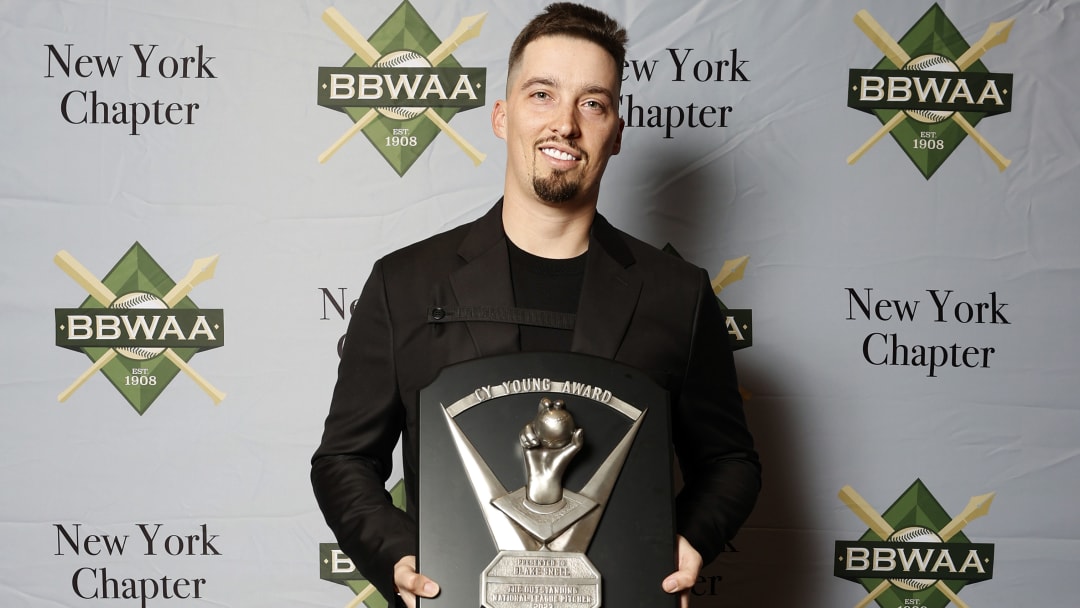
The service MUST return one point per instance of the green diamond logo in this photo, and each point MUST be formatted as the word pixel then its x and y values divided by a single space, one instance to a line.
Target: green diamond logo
pixel 139 327
pixel 914 553
pixel 931 89
pixel 402 86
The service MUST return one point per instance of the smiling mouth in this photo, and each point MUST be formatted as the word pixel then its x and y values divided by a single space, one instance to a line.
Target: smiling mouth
pixel 558 154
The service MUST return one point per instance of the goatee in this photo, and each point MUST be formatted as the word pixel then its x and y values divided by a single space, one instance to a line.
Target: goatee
pixel 555 188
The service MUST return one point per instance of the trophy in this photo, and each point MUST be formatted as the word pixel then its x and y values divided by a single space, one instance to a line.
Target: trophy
pixel 583 444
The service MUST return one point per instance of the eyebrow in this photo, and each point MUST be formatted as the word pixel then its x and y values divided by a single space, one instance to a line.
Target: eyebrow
pixel 593 89
pixel 538 80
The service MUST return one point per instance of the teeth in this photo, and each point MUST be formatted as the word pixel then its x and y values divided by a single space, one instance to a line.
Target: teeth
pixel 558 154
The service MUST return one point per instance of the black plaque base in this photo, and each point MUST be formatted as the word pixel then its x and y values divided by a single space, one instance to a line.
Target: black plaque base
pixel 487 401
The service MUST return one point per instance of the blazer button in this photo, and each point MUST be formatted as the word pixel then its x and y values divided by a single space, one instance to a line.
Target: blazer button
pixel 438 313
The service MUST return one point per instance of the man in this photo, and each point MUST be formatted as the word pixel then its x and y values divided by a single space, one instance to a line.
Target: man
pixel 543 248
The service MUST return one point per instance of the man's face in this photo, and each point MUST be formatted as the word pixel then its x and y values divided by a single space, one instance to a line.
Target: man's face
pixel 560 120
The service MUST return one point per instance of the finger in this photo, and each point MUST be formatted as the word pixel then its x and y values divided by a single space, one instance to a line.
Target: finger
pixel 671 584
pixel 579 436
pixel 410 583
pixel 420 587
pixel 680 580
pixel 417 584
pixel 428 587
pixel 689 564
pixel 677 583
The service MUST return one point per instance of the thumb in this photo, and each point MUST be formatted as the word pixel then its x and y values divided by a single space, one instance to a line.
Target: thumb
pixel 428 587
pixel 420 585
pixel 410 583
pixel 671 583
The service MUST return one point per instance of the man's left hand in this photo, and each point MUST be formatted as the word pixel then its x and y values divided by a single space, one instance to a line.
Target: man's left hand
pixel 683 579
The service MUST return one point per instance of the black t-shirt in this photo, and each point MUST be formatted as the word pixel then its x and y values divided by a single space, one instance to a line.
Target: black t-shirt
pixel 545 284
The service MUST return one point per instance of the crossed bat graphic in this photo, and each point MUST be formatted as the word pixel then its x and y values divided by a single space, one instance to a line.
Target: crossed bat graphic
pixel 360 597
pixel 467 29
pixel 976 507
pixel 996 33
pixel 201 270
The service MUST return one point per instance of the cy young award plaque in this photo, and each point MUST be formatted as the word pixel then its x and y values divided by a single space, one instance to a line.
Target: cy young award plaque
pixel 546 482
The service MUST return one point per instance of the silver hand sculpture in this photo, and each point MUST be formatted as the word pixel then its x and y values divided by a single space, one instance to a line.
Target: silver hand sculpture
pixel 549 441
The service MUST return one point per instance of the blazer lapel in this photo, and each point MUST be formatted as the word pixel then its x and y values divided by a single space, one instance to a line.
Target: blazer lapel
pixel 609 294
pixel 484 280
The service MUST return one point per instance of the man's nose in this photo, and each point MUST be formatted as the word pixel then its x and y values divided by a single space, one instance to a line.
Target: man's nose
pixel 564 121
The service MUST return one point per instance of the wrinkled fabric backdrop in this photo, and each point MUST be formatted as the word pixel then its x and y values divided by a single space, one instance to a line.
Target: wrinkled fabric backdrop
pixel 904 322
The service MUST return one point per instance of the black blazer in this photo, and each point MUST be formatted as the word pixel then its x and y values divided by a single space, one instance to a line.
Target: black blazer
pixel 639 306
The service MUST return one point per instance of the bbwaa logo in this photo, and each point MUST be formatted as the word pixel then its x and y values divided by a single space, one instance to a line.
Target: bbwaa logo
pixel 138 327
pixel 914 554
pixel 931 89
pixel 402 85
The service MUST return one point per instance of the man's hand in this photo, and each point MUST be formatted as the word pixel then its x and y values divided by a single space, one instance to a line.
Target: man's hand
pixel 684 578
pixel 410 583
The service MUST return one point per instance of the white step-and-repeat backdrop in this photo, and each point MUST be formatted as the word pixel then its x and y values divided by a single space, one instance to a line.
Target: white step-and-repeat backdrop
pixel 193 193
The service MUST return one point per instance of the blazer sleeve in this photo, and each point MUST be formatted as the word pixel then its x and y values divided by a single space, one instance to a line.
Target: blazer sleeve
pixel 720 468
pixel 352 464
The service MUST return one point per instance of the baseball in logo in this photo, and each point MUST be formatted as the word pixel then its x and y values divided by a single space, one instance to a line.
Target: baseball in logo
pixel 139 327
pixel 914 553
pixel 931 89
pixel 402 85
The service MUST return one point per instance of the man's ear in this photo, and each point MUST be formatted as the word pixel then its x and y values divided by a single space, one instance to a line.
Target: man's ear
pixel 618 138
pixel 498 119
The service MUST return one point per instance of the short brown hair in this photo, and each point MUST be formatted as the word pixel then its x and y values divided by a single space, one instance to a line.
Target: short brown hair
pixel 575 21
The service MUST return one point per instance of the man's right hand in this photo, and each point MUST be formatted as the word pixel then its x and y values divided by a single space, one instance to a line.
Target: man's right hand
pixel 410 583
